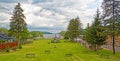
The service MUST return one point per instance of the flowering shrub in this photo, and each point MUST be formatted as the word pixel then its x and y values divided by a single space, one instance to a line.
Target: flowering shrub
pixel 10 44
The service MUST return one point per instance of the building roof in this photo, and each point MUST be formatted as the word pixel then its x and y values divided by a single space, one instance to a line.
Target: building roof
pixel 5 36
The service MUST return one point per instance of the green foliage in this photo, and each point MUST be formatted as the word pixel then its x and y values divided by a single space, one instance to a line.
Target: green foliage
pixel 7 49
pixel 15 47
pixel 2 41
pixel 18 26
pixel 4 30
pixel 40 34
pixel 33 34
pixel 55 41
pixel 95 34
pixel 20 46
pixel 36 34
pixel 111 19
pixel 74 28
pixel 25 36
pixel 62 33
pixel 56 54
pixel 83 31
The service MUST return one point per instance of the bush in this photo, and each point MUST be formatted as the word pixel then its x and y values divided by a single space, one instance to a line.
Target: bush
pixel 7 49
pixel 20 47
pixel 2 41
pixel 53 41
pixel 14 48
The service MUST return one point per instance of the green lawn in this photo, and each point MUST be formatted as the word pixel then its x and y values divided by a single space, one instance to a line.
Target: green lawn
pixel 56 54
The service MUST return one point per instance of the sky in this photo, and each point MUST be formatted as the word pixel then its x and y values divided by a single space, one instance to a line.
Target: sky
pixel 50 15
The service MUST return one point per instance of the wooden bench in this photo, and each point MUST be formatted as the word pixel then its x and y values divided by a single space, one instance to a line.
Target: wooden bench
pixel 47 51
pixel 104 56
pixel 68 55
pixel 30 55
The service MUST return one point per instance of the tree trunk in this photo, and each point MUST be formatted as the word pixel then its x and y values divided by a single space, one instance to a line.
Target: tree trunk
pixel 113 44
pixel 113 29
pixel 95 47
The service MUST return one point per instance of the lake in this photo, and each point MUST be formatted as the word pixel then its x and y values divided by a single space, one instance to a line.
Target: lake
pixel 51 35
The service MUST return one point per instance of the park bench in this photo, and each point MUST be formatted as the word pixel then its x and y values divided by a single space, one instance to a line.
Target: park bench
pixel 30 55
pixel 47 51
pixel 104 56
pixel 68 55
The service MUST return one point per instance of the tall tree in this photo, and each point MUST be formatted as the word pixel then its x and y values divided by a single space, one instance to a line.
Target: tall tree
pixel 95 35
pixel 64 34
pixel 18 26
pixel 35 34
pixel 74 28
pixel 111 18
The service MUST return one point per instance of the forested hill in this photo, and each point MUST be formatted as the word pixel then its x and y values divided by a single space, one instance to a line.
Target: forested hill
pixel 46 32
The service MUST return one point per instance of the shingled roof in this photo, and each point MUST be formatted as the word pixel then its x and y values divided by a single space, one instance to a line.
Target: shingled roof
pixel 4 37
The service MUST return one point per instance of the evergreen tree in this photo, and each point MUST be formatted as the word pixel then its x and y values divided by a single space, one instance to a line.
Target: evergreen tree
pixel 95 35
pixel 74 28
pixel 111 18
pixel 18 26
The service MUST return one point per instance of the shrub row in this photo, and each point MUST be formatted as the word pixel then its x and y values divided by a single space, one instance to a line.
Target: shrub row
pixel 9 44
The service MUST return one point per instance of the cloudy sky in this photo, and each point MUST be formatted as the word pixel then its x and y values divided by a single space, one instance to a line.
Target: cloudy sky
pixel 50 15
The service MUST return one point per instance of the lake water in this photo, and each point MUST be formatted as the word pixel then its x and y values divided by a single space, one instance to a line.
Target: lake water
pixel 51 35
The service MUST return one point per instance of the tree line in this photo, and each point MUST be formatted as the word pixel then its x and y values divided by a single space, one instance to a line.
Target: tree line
pixel 106 23
pixel 18 26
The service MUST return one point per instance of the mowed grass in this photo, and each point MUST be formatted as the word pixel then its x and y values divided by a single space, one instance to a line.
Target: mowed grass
pixel 56 54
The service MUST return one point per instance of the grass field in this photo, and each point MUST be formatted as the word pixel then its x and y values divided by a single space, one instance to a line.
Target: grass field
pixel 64 51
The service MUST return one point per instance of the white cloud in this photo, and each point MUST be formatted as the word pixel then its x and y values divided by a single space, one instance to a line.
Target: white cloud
pixel 55 13
pixel 4 17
